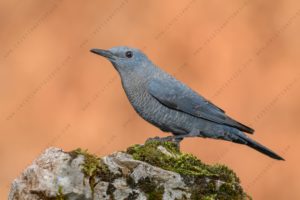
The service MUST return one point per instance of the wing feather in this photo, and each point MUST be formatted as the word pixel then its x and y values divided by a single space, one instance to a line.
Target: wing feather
pixel 175 95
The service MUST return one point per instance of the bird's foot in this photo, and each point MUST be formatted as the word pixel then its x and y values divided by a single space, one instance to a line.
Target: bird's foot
pixel 174 139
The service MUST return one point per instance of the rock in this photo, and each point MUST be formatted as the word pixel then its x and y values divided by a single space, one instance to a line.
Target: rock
pixel 156 170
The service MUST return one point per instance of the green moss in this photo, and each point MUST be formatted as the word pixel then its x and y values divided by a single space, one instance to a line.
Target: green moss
pixel 92 164
pixel 185 164
pixel 192 169
pixel 210 197
pixel 156 194
pixel 202 190
pixel 92 167
pixel 151 189
pixel 60 195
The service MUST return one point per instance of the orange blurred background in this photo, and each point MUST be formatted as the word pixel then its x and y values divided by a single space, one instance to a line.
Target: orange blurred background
pixel 242 55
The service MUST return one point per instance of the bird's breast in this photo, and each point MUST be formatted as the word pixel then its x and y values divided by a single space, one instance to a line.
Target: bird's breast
pixel 144 104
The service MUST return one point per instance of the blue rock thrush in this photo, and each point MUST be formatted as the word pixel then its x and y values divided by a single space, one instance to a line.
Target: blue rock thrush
pixel 171 105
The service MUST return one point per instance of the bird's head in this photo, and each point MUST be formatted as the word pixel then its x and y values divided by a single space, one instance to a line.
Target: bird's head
pixel 125 59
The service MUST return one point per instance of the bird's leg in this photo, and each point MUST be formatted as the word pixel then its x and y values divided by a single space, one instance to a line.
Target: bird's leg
pixel 192 133
pixel 176 139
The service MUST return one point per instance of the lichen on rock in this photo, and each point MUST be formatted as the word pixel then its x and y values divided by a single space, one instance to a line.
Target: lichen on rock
pixel 156 170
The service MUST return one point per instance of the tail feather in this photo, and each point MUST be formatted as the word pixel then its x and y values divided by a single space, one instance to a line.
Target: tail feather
pixel 255 145
pixel 242 127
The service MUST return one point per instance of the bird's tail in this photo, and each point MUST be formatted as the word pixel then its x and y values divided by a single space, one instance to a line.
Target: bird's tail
pixel 255 145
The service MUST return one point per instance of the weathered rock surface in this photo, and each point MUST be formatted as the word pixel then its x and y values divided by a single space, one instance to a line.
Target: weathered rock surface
pixel 152 171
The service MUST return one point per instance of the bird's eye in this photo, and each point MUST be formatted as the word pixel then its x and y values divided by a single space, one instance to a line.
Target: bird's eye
pixel 128 54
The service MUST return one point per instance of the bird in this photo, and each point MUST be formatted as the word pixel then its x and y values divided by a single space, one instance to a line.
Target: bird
pixel 172 106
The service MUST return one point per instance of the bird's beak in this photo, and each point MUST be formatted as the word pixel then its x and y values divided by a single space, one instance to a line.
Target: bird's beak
pixel 104 53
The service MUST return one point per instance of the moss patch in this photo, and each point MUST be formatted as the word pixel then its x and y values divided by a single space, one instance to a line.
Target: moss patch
pixel 152 190
pixel 60 195
pixel 185 164
pixel 206 181
pixel 92 167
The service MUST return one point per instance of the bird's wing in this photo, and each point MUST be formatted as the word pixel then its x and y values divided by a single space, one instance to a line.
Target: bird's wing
pixel 175 95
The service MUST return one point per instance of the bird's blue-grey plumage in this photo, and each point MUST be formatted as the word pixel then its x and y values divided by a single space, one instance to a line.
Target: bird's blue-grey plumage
pixel 172 106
